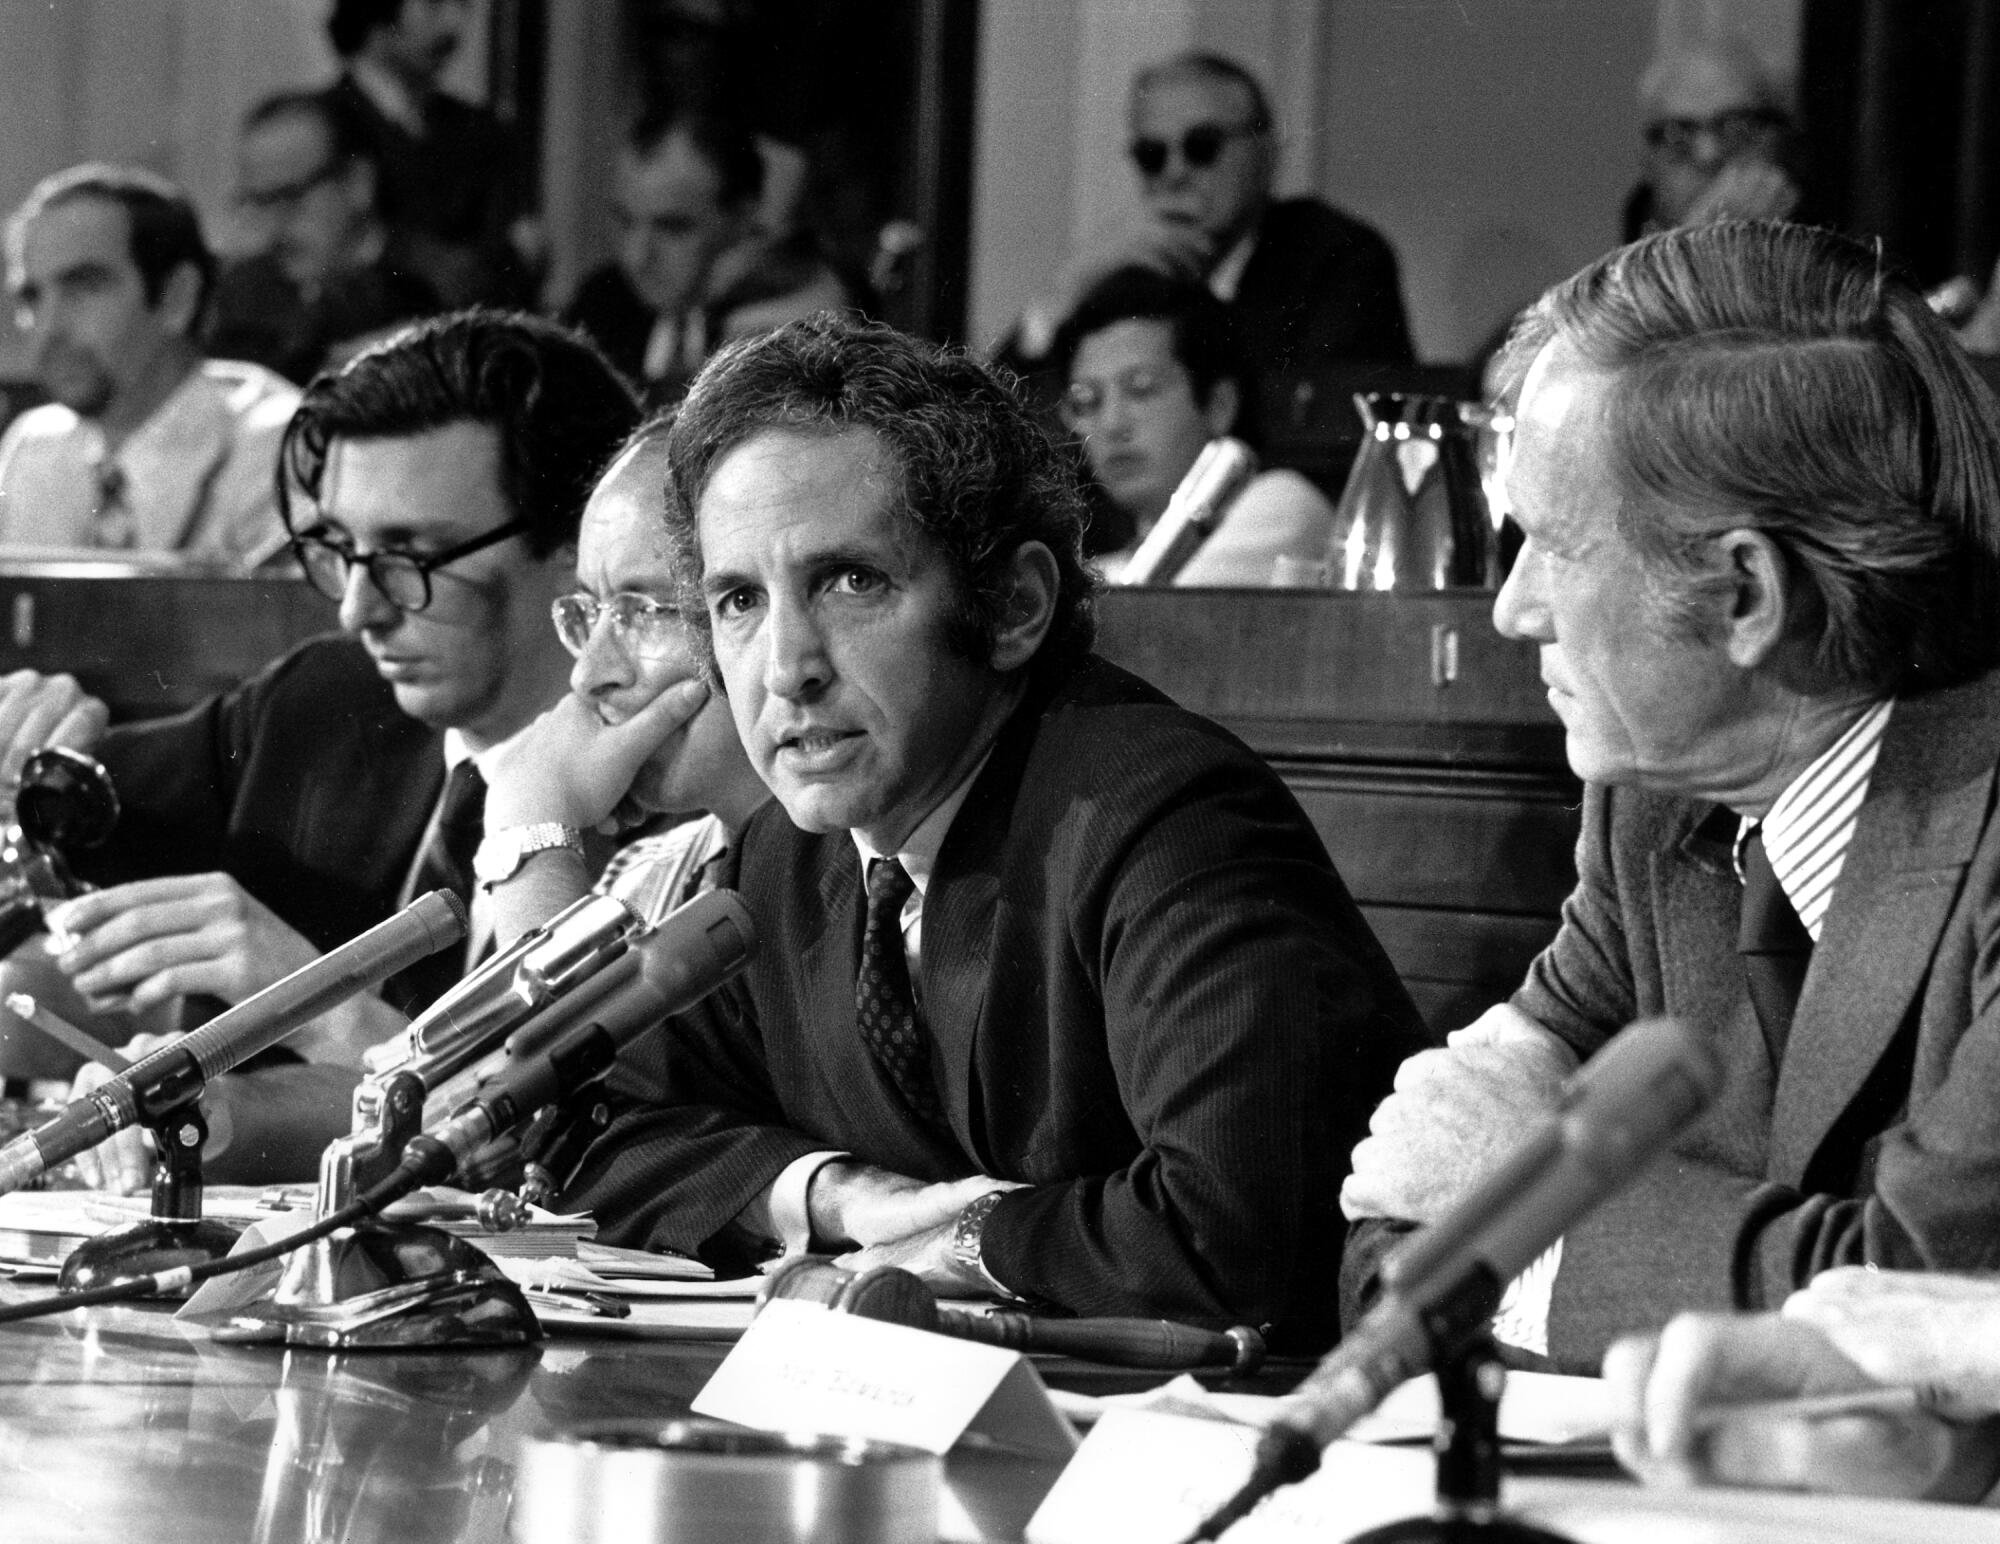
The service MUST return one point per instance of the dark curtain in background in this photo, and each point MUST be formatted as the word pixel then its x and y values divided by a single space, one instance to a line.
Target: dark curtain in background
pixel 1900 107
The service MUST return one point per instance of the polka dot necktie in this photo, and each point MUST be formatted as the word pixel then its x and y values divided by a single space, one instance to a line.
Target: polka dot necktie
pixel 884 1005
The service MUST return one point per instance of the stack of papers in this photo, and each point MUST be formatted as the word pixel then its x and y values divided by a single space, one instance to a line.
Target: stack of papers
pixel 38 1228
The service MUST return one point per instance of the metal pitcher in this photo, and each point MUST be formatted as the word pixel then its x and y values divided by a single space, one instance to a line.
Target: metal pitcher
pixel 1420 510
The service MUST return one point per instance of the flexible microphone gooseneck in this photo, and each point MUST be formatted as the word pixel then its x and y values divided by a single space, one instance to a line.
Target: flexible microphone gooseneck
pixel 1612 1118
pixel 171 1074
pixel 697 948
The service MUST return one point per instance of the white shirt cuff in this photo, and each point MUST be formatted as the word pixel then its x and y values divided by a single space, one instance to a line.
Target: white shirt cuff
pixel 1523 1317
pixel 785 1202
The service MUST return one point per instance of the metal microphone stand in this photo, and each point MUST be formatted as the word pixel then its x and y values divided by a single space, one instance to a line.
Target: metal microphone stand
pixel 176 1234
pixel 1470 1381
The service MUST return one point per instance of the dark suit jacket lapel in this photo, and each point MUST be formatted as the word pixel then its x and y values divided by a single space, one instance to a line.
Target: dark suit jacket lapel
pixel 1927 805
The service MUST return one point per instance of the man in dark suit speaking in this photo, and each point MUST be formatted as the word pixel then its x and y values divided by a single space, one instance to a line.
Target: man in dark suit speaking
pixel 1060 995
pixel 1760 487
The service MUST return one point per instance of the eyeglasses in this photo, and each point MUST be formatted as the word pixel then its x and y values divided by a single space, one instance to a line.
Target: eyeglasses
pixel 645 628
pixel 1733 132
pixel 287 195
pixel 1200 145
pixel 403 579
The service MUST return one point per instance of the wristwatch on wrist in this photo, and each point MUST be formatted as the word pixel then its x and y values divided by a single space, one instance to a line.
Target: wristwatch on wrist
pixel 965 1232
pixel 502 853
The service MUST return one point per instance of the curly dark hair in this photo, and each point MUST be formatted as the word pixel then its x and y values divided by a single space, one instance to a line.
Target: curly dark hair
pixel 1776 377
pixel 979 473
pixel 560 408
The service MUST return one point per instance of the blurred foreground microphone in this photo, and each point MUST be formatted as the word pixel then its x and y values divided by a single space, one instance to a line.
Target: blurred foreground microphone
pixel 697 948
pixel 1612 1119
pixel 168 1076
pixel 1196 509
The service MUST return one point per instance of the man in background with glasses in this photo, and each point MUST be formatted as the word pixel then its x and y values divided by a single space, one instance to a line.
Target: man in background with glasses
pixel 1307 284
pixel 1718 138
pixel 327 275
pixel 434 489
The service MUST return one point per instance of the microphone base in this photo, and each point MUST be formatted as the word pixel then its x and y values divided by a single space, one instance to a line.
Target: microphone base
pixel 1458 1530
pixel 1471 1378
pixel 156 1244
pixel 388 1285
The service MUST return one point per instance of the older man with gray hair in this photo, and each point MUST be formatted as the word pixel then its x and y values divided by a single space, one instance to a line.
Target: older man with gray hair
pixel 1760 487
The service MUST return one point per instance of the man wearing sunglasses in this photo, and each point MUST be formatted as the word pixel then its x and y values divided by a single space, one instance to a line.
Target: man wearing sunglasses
pixel 1717 141
pixel 1307 284
pixel 433 488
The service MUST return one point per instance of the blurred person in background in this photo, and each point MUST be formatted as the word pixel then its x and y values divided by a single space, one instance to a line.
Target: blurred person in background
pixel 451 177
pixel 695 267
pixel 1307 284
pixel 328 274
pixel 146 446
pixel 1718 140
pixel 1152 376
pixel 684 192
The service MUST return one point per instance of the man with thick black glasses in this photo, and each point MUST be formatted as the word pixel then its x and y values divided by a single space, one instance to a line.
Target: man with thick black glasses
pixel 433 488
pixel 1307 284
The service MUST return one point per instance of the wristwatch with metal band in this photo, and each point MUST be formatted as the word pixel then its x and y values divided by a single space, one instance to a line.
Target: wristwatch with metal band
pixel 966 1230
pixel 502 853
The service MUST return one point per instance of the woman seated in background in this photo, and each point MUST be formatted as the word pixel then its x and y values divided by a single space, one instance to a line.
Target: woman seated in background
pixel 1152 379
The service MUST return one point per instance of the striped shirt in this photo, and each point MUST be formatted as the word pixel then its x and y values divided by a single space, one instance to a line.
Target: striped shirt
pixel 1806 835
pixel 1807 832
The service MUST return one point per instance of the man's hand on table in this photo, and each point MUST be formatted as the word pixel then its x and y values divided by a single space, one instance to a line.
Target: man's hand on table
pixel 897 1221
pixel 1665 1390
pixel 1920 1329
pixel 38 710
pixel 140 944
pixel 1455 1115
pixel 571 767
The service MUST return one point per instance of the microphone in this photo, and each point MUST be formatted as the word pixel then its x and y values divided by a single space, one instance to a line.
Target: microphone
pixel 696 948
pixel 1193 513
pixel 537 967
pixel 1613 1117
pixel 158 1082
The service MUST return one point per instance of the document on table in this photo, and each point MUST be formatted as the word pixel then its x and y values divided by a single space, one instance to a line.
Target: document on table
pixel 1537 1407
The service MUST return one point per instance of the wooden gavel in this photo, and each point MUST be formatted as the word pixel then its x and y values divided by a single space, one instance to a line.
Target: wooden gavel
pixel 895 1296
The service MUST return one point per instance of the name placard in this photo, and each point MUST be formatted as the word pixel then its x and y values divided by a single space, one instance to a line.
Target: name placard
pixel 1147 1478
pixel 1141 1476
pixel 800 1367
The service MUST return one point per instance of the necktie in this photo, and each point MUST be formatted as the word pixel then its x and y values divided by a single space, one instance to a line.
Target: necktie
pixel 443 863
pixel 1775 946
pixel 111 522
pixel 885 1007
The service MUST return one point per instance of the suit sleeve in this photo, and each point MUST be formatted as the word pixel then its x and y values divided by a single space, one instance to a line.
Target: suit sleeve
pixel 1252 1023
pixel 1918 1181
pixel 175 778
pixel 697 1134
